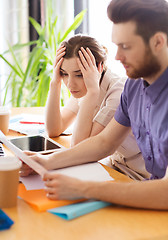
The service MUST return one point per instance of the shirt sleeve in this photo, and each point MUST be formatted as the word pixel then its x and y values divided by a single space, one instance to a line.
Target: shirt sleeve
pixel 121 114
pixel 109 104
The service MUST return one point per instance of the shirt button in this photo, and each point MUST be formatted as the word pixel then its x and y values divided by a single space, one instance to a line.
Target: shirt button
pixel 148 107
pixel 149 158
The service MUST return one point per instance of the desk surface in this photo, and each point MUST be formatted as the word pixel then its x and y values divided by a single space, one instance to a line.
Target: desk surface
pixel 113 222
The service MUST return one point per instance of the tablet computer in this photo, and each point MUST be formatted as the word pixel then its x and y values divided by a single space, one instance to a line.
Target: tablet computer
pixel 36 143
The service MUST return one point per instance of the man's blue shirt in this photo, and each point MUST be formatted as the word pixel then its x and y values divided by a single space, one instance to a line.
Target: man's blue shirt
pixel 145 108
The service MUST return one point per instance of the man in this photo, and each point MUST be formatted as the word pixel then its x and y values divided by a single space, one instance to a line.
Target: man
pixel 140 31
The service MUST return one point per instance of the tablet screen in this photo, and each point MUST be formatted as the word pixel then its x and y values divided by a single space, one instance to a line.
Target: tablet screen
pixel 35 143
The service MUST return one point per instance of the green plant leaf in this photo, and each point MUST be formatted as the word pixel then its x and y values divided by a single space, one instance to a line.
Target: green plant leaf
pixel 31 63
pixel 18 66
pixel 19 46
pixel 36 25
pixel 11 66
pixel 77 21
pixel 29 87
pixel 6 88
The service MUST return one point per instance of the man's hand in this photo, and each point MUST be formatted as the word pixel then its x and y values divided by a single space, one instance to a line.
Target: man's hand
pixel 41 159
pixel 59 187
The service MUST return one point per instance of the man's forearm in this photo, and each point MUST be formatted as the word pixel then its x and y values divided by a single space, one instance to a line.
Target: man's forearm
pixel 90 150
pixel 149 194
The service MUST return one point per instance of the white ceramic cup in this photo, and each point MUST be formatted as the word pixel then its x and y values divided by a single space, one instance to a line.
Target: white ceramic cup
pixel 4 119
pixel 9 181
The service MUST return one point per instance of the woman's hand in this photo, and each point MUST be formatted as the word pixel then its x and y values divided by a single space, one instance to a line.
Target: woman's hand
pixel 57 64
pixel 59 186
pixel 91 73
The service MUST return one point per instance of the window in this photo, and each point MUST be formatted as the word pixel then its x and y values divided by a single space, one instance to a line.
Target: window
pixel 14 28
pixel 100 27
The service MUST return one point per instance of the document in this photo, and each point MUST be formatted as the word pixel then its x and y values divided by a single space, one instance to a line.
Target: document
pixel 86 172
pixel 29 124
pixel 32 190
pixel 38 200
pixel 21 155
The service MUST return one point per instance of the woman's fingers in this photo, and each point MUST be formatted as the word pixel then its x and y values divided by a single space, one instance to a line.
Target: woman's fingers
pixel 87 58
pixel 59 63
pixel 84 58
pixel 91 56
pixel 59 54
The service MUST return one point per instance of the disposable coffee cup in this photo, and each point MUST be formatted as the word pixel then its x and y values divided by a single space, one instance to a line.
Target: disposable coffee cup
pixel 9 181
pixel 4 119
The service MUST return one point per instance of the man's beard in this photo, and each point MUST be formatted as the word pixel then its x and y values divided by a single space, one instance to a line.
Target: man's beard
pixel 148 68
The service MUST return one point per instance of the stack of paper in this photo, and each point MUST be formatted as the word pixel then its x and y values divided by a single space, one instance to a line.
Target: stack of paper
pixel 33 192
pixel 28 124
pixel 31 124
pixel 85 172
pixel 38 200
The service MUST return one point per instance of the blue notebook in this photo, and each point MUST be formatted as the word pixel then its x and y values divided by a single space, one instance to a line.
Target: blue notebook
pixel 78 209
pixel 5 221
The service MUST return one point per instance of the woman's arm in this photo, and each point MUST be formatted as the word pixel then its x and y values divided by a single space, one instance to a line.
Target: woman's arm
pixel 84 121
pixel 91 75
pixel 56 120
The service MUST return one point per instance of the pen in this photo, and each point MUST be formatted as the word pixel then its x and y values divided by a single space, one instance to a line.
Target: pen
pixel 27 122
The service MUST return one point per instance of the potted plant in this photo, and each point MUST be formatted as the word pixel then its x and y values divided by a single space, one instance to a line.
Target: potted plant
pixel 29 84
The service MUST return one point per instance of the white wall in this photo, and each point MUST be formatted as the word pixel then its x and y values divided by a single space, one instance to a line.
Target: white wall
pixel 13 28
pixel 100 27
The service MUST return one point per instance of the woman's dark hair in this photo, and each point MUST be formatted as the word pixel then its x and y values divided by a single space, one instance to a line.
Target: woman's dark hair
pixel 74 44
pixel 150 16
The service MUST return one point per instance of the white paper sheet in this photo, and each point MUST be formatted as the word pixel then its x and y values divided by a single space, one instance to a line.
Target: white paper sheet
pixel 85 172
pixel 28 129
pixel 32 182
pixel 21 155
pixel 32 129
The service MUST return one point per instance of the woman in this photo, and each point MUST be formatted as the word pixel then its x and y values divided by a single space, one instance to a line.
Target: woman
pixel 95 91
pixel 95 94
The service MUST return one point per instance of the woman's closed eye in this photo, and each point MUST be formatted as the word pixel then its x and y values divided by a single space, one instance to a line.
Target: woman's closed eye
pixel 79 75
pixel 63 73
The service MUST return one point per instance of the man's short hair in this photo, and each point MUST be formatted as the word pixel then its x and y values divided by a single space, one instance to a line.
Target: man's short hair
pixel 150 16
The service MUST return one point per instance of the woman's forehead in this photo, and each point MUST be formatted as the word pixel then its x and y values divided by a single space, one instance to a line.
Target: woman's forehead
pixel 70 65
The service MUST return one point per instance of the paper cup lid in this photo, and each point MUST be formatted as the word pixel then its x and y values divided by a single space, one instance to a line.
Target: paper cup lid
pixel 9 163
pixel 4 110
